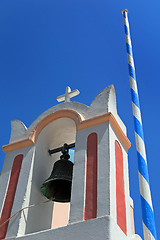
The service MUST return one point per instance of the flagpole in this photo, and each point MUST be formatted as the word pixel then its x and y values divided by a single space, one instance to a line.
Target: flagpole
pixel 149 230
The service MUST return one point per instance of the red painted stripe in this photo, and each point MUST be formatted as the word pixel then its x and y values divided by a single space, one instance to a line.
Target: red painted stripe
pixel 120 194
pixel 91 178
pixel 10 194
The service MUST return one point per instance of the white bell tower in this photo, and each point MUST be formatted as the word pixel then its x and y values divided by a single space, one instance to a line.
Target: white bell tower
pixel 100 206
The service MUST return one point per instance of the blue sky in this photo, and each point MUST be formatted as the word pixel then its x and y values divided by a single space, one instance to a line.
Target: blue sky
pixel 46 45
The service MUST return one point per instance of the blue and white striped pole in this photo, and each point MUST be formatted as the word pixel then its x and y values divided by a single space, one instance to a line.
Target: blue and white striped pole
pixel 149 230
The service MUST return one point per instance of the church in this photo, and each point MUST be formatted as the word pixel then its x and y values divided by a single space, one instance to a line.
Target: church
pixel 66 176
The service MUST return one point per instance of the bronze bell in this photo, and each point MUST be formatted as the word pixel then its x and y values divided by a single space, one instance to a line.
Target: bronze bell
pixel 58 186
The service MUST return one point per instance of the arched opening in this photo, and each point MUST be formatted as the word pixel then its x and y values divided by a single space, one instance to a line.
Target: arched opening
pixel 54 135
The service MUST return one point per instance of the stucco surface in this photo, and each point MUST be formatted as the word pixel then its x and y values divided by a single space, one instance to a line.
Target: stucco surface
pixel 97 229
pixel 35 223
pixel 105 102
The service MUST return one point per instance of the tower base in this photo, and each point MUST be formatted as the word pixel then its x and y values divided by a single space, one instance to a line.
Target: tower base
pixel 103 228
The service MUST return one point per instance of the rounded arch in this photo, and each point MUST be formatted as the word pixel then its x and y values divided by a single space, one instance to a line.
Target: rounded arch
pixel 75 116
pixel 32 138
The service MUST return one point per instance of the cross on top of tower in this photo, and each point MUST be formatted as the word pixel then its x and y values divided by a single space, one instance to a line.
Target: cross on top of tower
pixel 68 95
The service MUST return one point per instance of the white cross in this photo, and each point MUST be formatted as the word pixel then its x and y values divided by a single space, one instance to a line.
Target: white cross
pixel 68 95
